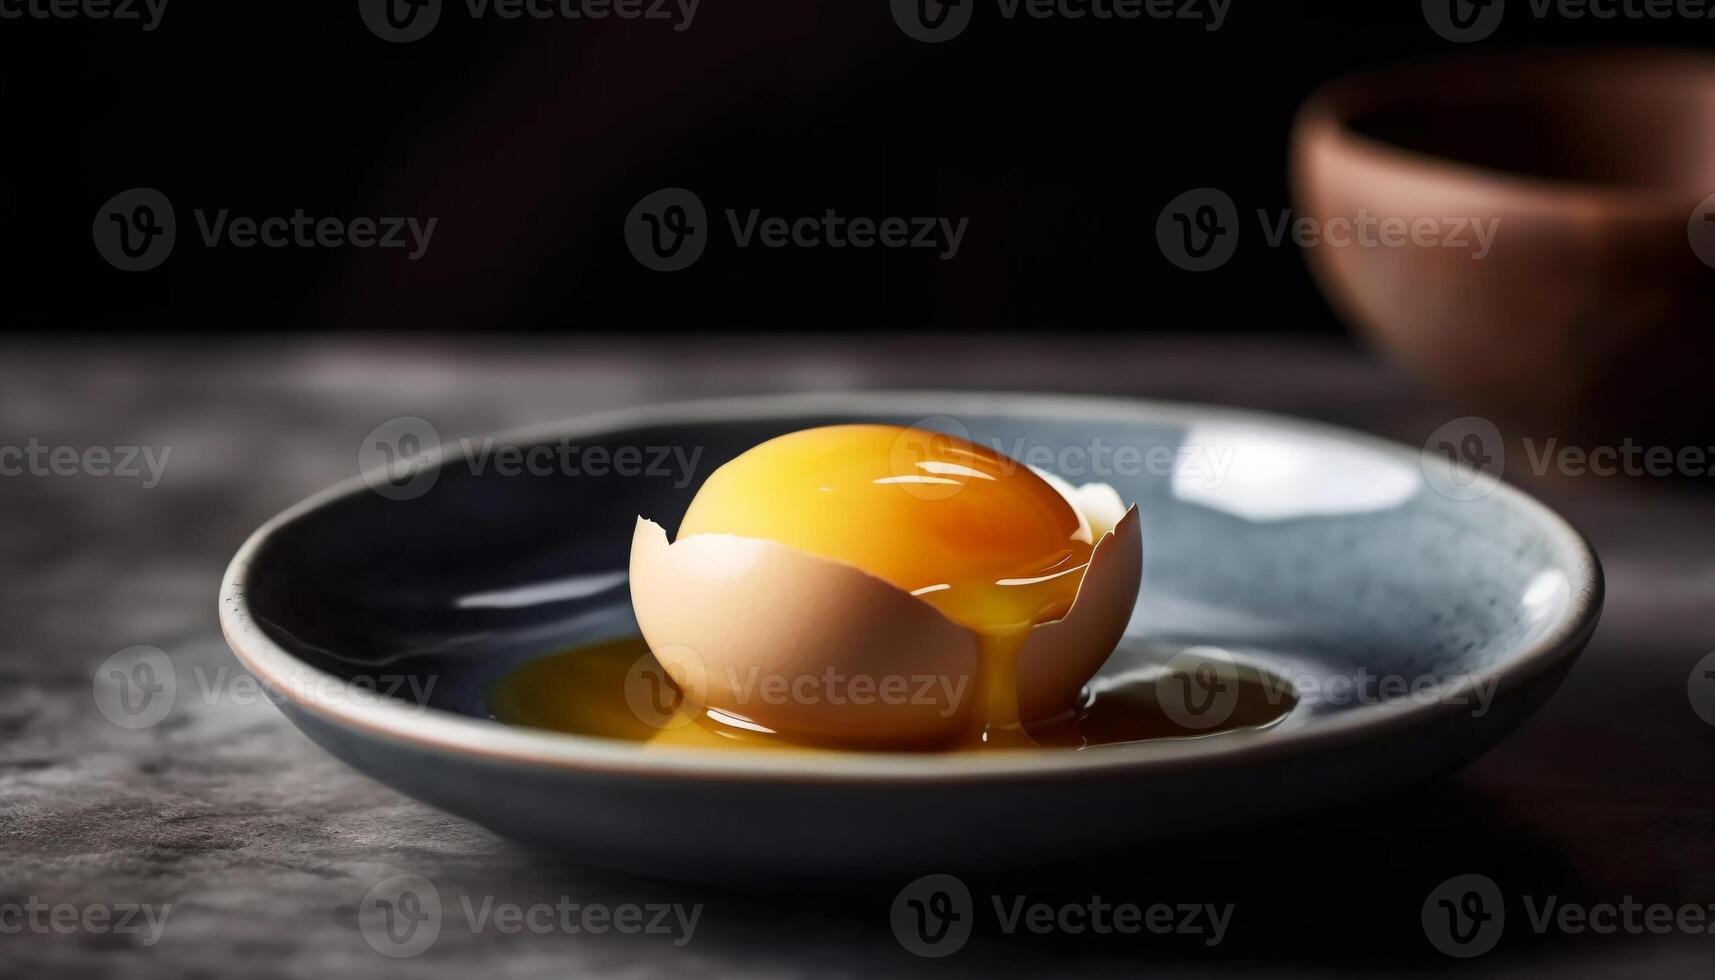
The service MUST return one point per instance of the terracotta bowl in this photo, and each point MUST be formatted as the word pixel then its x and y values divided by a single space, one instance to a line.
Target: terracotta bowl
pixel 1591 310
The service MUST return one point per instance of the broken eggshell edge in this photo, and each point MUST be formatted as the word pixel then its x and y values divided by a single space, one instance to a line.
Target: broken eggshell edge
pixel 724 613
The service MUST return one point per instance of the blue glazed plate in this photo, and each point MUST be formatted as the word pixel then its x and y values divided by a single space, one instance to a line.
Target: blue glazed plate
pixel 1418 611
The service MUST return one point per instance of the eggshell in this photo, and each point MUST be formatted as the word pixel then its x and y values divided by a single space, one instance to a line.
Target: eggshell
pixel 791 642
pixel 741 613
pixel 1061 656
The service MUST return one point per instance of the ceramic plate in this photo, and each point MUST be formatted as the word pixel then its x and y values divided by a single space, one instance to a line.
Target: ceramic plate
pixel 1418 612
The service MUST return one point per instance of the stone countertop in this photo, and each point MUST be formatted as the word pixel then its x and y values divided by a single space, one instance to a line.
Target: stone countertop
pixel 264 846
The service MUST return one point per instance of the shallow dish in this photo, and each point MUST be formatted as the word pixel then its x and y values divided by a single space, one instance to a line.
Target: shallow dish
pixel 1419 618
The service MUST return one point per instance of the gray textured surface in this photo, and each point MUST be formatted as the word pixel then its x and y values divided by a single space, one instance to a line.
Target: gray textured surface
pixel 265 847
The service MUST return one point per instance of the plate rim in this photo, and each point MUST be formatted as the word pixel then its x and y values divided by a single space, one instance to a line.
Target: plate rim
pixel 434 729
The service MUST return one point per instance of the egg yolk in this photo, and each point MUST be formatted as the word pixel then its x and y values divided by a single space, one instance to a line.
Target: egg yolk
pixel 976 534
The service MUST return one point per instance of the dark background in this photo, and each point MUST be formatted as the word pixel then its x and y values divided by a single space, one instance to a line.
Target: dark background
pixel 531 140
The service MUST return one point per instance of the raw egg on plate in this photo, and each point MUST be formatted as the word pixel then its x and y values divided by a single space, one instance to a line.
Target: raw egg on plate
pixel 882 585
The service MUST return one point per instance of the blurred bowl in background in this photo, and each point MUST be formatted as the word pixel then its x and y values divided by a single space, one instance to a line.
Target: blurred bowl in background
pixel 1589 311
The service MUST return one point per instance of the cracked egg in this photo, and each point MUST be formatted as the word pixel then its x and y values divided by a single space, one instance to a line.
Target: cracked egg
pixel 873 585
